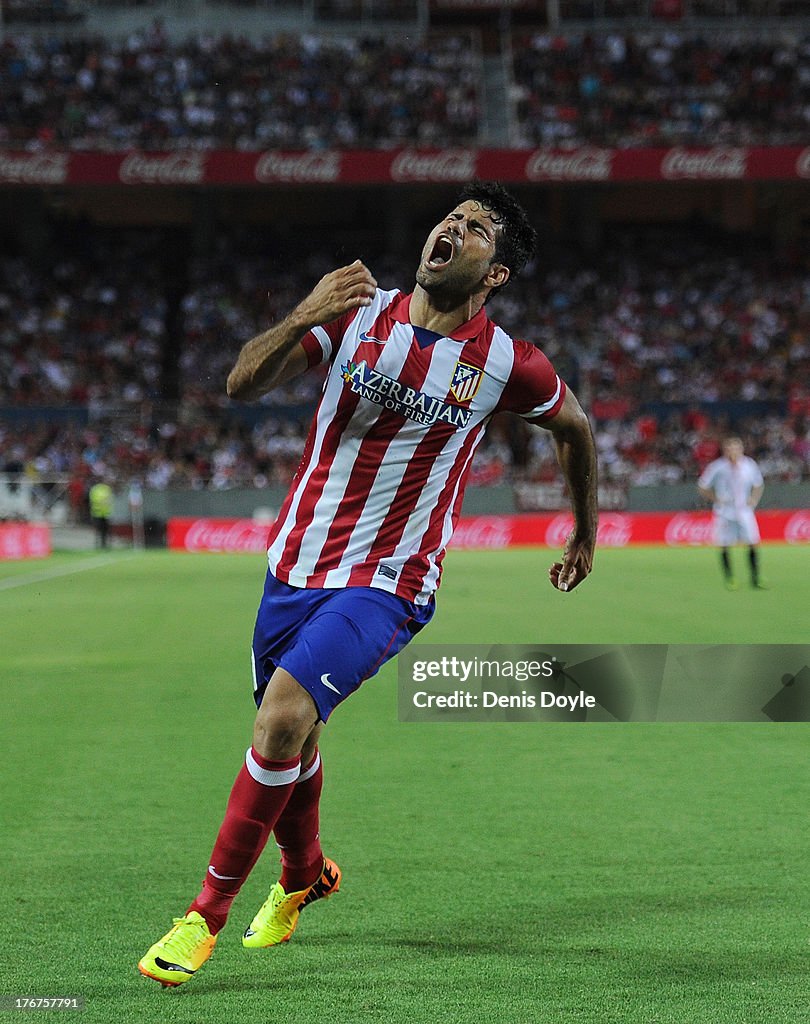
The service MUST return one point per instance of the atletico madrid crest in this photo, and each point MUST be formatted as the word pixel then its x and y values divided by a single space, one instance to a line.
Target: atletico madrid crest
pixel 466 382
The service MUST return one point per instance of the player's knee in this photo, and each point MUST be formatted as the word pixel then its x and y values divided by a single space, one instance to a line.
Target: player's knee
pixel 283 723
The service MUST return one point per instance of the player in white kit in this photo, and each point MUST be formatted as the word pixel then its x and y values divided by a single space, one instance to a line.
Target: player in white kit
pixel 734 485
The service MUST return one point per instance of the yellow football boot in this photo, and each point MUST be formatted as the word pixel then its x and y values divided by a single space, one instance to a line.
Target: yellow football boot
pixel 278 917
pixel 174 959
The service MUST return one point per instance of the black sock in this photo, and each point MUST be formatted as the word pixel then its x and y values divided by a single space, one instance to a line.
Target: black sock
pixel 726 560
pixel 753 558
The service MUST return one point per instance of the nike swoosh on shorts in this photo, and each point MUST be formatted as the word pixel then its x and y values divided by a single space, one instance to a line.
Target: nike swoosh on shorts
pixel 325 681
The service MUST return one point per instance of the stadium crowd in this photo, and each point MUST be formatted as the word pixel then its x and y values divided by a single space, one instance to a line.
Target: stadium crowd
pixel 675 87
pixel 663 342
pixel 220 92
pixel 303 91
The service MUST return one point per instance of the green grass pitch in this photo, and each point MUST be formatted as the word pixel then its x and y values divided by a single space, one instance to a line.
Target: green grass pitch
pixel 494 873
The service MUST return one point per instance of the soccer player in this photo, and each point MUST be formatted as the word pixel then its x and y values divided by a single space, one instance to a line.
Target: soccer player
pixel 734 485
pixel 356 553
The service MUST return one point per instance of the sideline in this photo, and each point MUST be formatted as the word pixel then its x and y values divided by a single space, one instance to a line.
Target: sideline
pixel 65 570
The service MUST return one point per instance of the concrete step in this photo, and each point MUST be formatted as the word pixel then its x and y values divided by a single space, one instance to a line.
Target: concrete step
pixel 497 113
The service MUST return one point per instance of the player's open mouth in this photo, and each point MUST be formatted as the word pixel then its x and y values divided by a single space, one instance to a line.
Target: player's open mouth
pixel 442 252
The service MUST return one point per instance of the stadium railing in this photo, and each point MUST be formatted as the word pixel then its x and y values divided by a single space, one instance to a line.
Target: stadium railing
pixel 27 499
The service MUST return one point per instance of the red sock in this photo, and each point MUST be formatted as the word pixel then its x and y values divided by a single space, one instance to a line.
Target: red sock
pixel 296 831
pixel 258 797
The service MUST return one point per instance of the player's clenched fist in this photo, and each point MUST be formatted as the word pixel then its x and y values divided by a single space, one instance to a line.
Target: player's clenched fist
pixel 576 564
pixel 338 292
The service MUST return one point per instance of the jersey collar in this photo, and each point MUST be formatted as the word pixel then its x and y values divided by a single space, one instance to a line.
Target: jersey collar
pixel 401 309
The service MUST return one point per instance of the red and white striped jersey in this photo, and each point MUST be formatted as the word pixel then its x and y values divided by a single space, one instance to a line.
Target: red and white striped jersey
pixel 379 489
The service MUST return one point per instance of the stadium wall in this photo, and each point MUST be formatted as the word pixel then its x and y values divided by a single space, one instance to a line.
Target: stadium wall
pixel 245 501
pixel 673 497
pixel 478 501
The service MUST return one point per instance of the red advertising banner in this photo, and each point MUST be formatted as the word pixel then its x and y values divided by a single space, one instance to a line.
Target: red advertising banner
pixel 586 164
pixel 620 529
pixel 616 530
pixel 228 535
pixel 24 540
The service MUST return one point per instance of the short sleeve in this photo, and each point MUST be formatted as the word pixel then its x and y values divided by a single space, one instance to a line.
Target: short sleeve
pixel 533 390
pixel 321 343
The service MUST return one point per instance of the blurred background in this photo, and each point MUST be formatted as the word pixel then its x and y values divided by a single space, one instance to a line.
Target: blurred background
pixel 175 176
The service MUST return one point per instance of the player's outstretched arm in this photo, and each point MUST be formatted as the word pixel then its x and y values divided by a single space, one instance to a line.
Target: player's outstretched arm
pixel 576 453
pixel 276 355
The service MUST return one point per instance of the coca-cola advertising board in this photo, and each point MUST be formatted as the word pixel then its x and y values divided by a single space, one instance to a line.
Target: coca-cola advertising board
pixel 410 165
pixel 229 536
pixel 616 530
pixel 620 529
pixel 24 540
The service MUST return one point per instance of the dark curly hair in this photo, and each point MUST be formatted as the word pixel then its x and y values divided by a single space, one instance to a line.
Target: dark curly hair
pixel 517 240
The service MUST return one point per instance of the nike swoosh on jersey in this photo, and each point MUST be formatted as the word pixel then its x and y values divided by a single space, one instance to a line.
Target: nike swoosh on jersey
pixel 367 337
pixel 325 681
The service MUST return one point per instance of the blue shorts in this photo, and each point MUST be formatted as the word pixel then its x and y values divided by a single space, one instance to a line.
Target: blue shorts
pixel 330 640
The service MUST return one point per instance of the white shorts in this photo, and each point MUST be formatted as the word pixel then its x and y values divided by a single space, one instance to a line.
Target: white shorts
pixel 741 528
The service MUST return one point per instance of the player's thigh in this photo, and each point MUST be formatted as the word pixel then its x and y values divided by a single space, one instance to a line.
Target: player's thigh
pixel 749 528
pixel 282 612
pixel 346 641
pixel 726 531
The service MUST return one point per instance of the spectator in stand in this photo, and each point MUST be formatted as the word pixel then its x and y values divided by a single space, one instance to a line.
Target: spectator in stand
pixel 662 88
pixel 287 91
pixel 652 321
pixel 221 92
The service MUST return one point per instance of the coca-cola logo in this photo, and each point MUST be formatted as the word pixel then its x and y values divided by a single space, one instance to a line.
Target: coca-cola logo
pixel 34 168
pixel 803 163
pixel 615 531
pixel 578 165
pixel 558 530
pixel 797 528
pixel 25 541
pixel 239 535
pixel 169 169
pixel 720 162
pixel 299 167
pixel 688 529
pixel 39 542
pixel 12 543
pixel 445 165
pixel 483 532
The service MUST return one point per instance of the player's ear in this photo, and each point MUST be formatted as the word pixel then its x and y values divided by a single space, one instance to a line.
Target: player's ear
pixel 497 275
